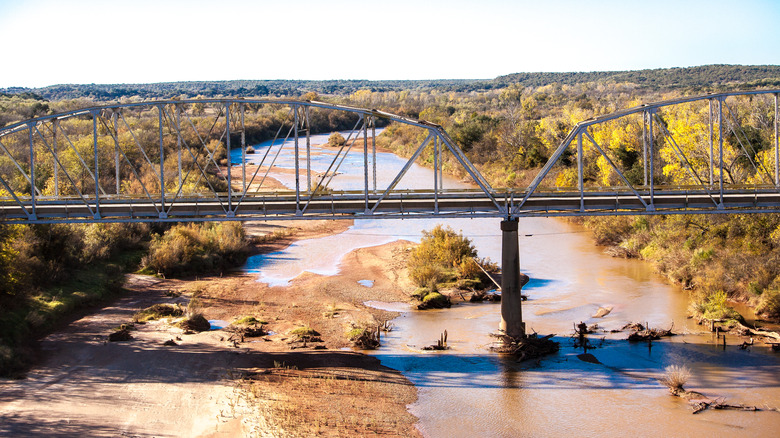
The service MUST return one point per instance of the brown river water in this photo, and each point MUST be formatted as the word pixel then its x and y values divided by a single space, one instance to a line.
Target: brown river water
pixel 470 392
pixel 467 391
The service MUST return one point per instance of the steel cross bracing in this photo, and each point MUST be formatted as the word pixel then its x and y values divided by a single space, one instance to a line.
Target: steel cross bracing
pixel 164 161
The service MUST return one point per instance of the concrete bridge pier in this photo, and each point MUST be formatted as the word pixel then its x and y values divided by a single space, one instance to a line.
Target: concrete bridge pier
pixel 511 282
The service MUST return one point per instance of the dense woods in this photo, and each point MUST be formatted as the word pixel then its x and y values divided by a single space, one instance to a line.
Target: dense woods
pixel 701 78
pixel 507 126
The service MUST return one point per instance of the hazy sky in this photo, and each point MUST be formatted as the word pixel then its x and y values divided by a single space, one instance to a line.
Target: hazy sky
pixel 136 41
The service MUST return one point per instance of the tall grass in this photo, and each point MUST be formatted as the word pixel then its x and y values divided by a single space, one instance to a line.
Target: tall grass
pixel 675 377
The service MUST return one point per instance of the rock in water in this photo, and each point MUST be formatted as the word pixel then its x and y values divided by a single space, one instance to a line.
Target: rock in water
pixel 602 312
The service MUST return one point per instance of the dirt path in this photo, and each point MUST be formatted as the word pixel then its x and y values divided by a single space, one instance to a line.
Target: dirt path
pixel 207 386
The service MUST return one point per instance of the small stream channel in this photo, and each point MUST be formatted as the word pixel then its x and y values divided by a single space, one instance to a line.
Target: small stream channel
pixel 468 391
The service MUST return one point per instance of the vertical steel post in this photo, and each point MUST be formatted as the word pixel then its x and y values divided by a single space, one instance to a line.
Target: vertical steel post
pixel 178 144
pixel 777 149
pixel 441 169
pixel 644 146
pixel 97 173
pixel 720 147
pixel 114 123
pixel 712 170
pixel 297 164
pixel 650 157
pixel 365 158
pixel 229 169
pixel 162 162
pixel 56 124
pixel 580 178
pixel 30 127
pixel 243 148
pixel 308 148
pixel 373 147
pixel 436 174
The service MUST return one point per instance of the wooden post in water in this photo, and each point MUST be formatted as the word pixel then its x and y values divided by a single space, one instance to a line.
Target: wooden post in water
pixel 511 300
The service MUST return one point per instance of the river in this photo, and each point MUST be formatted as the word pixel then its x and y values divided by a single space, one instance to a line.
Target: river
pixel 468 391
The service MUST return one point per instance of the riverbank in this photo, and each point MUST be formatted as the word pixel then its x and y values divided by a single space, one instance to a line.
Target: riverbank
pixel 733 256
pixel 208 385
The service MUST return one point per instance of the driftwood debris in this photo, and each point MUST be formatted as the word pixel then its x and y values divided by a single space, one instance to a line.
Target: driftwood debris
pixel 649 334
pixel 675 378
pixel 441 344
pixel 481 295
pixel 529 347
pixel 369 339
pixel 717 326
pixel 744 330
pixel 238 333
pixel 123 334
pixel 700 402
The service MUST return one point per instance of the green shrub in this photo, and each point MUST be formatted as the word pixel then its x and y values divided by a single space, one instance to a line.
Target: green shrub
pixel 195 322
pixel 364 337
pixel 427 274
pixel 715 306
pixel 197 249
pixel 443 255
pixel 304 331
pixel 336 139
pixel 769 303
pixel 158 311
pixel 249 320
pixel 435 300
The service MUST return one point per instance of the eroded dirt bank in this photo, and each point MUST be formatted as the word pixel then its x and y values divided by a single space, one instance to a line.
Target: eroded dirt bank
pixel 210 385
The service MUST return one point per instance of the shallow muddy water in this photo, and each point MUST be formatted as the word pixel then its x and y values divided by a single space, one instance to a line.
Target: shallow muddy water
pixel 468 391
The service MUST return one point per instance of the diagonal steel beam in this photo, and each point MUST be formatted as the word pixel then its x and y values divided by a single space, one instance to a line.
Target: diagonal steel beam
pixel 262 162
pixel 211 153
pixel 202 170
pixel 346 144
pixel 612 164
pixel 78 155
pixel 403 171
pixel 678 150
pixel 10 191
pixel 18 167
pixel 548 166
pixel 733 121
pixel 67 175
pixel 478 178
pixel 137 143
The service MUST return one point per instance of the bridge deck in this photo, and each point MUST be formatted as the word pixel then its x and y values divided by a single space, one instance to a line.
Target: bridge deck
pixel 399 205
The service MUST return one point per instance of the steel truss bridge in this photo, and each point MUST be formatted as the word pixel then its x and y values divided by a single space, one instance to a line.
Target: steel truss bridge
pixel 160 161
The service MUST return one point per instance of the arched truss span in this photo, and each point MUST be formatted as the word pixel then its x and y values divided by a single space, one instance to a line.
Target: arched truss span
pixel 168 161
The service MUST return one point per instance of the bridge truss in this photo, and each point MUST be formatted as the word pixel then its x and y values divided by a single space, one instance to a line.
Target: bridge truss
pixel 188 160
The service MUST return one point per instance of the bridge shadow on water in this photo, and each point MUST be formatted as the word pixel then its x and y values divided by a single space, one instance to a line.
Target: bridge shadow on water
pixel 536 283
pixel 621 366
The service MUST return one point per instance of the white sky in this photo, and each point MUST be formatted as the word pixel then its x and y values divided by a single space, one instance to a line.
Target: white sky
pixel 137 41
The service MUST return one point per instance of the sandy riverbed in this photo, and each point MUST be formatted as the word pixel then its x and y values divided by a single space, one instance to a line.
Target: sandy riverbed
pixel 208 386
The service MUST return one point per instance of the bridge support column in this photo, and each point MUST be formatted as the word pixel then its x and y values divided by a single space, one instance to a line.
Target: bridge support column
pixel 511 282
